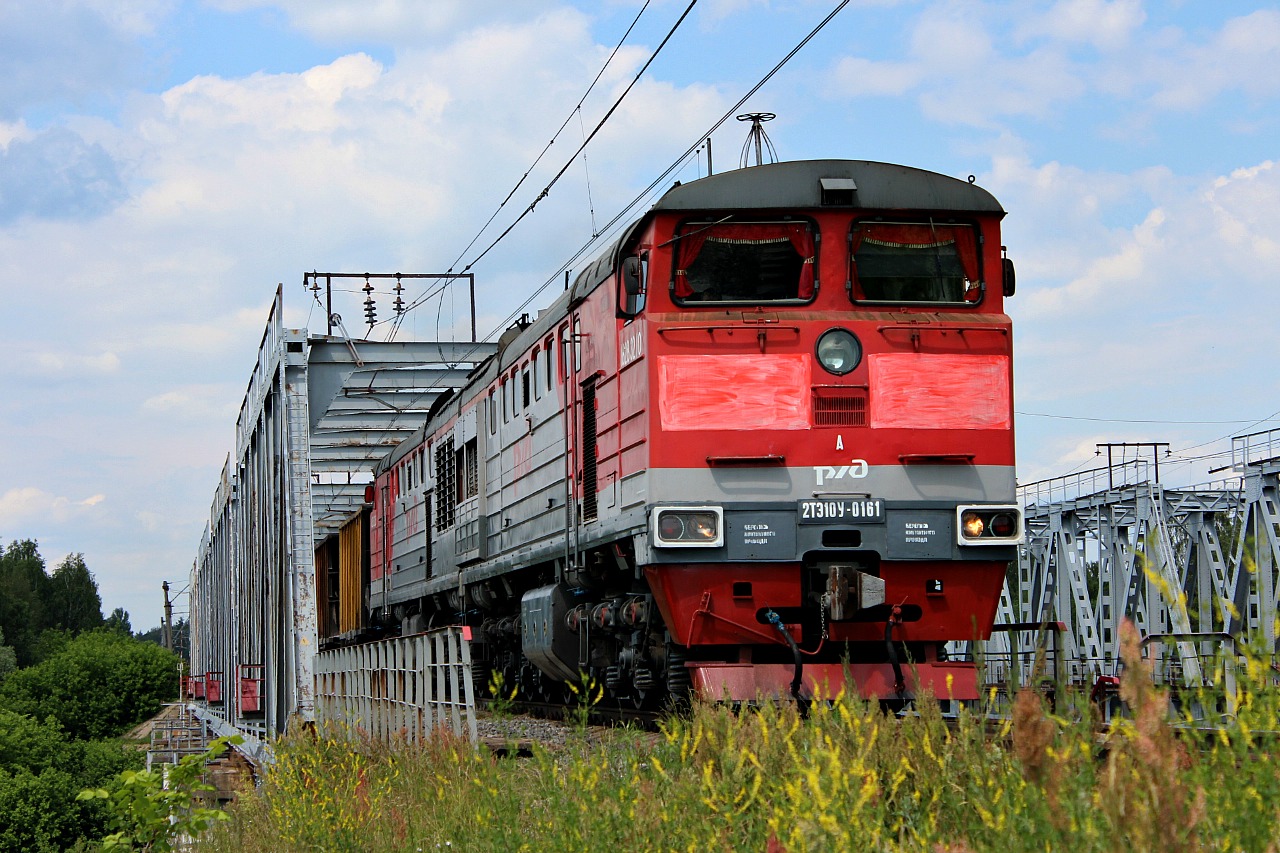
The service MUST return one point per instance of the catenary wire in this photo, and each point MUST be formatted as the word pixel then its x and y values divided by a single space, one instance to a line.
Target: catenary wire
pixel 609 227
pixel 578 110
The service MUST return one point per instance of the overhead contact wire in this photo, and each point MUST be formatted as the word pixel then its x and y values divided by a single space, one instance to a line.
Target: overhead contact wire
pixel 661 178
pixel 547 189
pixel 674 166
pixel 576 110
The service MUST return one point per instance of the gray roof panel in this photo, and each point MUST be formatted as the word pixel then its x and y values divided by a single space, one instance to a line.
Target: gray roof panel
pixel 799 184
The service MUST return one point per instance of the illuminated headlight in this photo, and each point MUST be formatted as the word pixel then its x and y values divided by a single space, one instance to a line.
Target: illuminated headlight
pixel 688 527
pixel 989 525
pixel 838 351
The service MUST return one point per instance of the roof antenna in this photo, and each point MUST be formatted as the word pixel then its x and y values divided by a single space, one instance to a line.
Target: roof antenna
pixel 757 139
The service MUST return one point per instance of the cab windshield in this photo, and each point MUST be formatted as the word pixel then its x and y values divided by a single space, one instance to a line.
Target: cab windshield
pixel 915 262
pixel 744 262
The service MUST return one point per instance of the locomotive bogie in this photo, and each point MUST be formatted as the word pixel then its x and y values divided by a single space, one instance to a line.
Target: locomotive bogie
pixel 784 394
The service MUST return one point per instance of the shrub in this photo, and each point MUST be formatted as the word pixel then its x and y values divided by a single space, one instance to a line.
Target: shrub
pixel 101 683
pixel 154 809
pixel 39 812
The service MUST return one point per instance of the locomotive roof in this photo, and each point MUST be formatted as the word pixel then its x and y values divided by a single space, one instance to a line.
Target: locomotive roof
pixel 800 183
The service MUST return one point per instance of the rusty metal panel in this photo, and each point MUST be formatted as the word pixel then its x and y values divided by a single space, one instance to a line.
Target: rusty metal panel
pixel 353 548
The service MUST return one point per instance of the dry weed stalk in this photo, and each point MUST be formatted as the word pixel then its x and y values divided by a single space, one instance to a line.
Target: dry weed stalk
pixel 1144 784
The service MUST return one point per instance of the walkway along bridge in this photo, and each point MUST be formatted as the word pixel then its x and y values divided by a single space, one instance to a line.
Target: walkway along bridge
pixel 1194 568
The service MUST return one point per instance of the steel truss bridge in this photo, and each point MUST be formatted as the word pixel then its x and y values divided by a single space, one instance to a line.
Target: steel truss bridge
pixel 1195 570
pixel 318 414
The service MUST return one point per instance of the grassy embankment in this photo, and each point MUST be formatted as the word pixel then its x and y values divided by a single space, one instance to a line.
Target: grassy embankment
pixel 848 778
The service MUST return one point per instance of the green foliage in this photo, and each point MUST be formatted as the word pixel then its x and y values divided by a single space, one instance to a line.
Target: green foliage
pixel 154 810
pixel 40 812
pixel 38 611
pixel 50 643
pixel 101 683
pixel 72 602
pixel 40 776
pixel 118 621
pixel 8 658
pixel 28 744
pixel 849 777
pixel 23 588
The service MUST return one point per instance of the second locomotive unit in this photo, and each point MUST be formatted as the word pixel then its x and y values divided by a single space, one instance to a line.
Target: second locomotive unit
pixel 772 425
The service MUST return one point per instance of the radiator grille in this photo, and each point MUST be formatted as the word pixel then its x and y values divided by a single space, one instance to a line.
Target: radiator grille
pixel 840 407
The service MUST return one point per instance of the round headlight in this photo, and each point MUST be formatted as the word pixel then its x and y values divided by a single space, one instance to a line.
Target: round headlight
pixel 1003 525
pixel 838 351
pixel 972 524
pixel 670 526
pixel 703 526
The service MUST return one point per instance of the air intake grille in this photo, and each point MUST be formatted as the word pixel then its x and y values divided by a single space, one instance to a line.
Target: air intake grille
pixel 840 407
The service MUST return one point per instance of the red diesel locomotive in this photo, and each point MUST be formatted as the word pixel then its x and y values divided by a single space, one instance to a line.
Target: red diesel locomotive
pixel 764 442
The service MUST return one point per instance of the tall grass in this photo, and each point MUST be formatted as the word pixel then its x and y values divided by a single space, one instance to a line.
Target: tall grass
pixel 847 778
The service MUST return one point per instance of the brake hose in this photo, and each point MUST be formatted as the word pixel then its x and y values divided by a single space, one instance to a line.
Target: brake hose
pixel 895 619
pixel 802 704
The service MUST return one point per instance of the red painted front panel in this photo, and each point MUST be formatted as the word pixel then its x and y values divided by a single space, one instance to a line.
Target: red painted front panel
pixel 912 390
pixel 739 392
pixel 700 608
pixel 744 682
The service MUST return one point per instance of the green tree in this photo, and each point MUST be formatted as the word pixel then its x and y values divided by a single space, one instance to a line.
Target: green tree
pixel 40 812
pixel 73 603
pixel 99 685
pixel 118 621
pixel 8 658
pixel 40 775
pixel 180 634
pixel 23 590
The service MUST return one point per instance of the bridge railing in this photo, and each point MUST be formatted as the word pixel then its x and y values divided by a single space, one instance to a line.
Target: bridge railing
pixel 405 687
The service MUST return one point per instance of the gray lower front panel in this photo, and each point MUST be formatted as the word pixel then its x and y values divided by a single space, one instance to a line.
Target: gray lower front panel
pixel 773 532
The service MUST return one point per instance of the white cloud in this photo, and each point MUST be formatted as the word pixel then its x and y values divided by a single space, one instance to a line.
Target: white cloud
pixel 854 77
pixel 1106 24
pixel 193 403
pixel 1116 280
pixel 64 364
pixel 392 21
pixel 71 49
pixel 22 506
pixel 1246 211
pixel 1150 316
pixel 1184 75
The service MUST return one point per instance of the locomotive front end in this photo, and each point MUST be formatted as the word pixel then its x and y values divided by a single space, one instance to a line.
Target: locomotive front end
pixel 830 465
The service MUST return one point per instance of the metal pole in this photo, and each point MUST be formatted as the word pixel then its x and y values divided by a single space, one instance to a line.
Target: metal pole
pixel 709 172
pixel 328 304
pixel 168 617
pixel 471 277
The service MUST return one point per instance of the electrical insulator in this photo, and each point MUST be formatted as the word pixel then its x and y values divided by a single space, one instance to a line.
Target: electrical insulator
pixel 399 303
pixel 370 311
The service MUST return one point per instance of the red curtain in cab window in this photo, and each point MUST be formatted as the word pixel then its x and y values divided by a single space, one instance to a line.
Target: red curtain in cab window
pixel 924 237
pixel 689 245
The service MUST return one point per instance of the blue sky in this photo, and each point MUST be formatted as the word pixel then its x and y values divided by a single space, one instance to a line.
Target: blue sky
pixel 164 163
